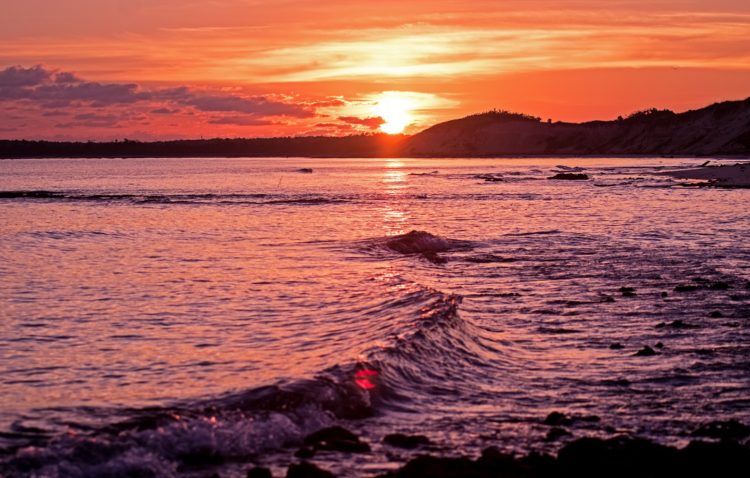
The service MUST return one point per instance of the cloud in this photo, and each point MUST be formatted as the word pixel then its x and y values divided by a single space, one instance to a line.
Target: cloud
pixel 164 111
pixel 51 89
pixel 259 106
pixel 18 77
pixel 241 121
pixel 372 122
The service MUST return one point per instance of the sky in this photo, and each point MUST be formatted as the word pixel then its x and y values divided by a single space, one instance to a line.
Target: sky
pixel 170 69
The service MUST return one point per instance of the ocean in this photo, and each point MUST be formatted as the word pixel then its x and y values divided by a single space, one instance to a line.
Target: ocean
pixel 183 317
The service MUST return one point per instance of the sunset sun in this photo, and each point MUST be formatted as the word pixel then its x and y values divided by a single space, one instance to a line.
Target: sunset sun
pixel 395 111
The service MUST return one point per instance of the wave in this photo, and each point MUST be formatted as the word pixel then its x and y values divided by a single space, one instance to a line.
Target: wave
pixel 241 426
pixel 176 199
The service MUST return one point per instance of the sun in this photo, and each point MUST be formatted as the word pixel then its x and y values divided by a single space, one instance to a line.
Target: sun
pixel 395 111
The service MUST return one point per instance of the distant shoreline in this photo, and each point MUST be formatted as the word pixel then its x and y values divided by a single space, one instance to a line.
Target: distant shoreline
pixel 720 130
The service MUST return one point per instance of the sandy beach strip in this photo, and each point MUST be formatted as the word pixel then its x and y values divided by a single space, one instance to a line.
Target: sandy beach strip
pixel 726 176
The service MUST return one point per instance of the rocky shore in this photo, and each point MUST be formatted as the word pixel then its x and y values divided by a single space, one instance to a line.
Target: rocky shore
pixel 720 449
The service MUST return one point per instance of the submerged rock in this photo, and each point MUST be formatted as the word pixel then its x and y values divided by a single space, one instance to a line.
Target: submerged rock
pixel 719 285
pixel 338 439
pixel 305 453
pixel 557 419
pixel 726 430
pixel 307 470
pixel 616 346
pixel 305 170
pixel 627 291
pixel 556 433
pixel 408 442
pixel 418 242
pixel 259 472
pixel 676 324
pixel 686 288
pixel 570 176
pixel 646 351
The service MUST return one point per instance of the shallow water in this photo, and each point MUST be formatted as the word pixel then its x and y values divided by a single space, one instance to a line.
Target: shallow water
pixel 154 310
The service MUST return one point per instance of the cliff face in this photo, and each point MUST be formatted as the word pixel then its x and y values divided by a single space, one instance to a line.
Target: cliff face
pixel 718 129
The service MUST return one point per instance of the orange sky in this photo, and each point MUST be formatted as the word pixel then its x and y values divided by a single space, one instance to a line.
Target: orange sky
pixel 151 69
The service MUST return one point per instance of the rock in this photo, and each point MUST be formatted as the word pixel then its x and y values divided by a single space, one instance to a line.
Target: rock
pixel 490 178
pixel 659 345
pixel 589 457
pixel 570 176
pixel 259 472
pixel 664 294
pixel 418 242
pixel 646 351
pixel 716 314
pixel 627 291
pixel 409 442
pixel 201 457
pixel 730 430
pixel 557 419
pixel 434 257
pixel 556 433
pixel 676 324
pixel 719 285
pixel 616 346
pixel 686 288
pixel 747 285
pixel 307 470
pixel 305 453
pixel 618 457
pixel 305 170
pixel 336 438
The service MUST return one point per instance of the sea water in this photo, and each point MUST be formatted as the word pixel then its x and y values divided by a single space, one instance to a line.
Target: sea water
pixel 183 316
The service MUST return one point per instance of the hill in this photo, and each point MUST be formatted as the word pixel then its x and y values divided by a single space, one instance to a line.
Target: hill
pixel 718 129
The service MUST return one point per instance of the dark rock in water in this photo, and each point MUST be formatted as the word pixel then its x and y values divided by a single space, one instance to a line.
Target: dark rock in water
pixel 201 457
pixel 305 453
pixel 716 314
pixel 747 286
pixel 490 178
pixel 307 470
pixel 719 285
pixel 659 345
pixel 557 419
pixel 646 351
pixel 618 457
pixel 570 176
pixel 700 280
pixel 627 291
pixel 664 294
pixel 729 430
pixel 590 418
pixel 676 324
pixel 408 442
pixel 434 258
pixel 435 467
pixel 338 439
pixel 686 288
pixel 418 242
pixel 259 472
pixel 617 346
pixel 629 457
pixel 556 433
pixel 305 170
